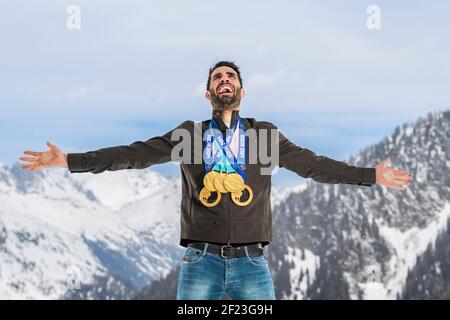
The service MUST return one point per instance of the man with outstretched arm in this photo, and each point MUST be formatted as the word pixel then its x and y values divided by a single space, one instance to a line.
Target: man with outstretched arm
pixel 226 217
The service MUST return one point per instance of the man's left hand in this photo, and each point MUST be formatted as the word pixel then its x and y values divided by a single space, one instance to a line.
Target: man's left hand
pixel 392 178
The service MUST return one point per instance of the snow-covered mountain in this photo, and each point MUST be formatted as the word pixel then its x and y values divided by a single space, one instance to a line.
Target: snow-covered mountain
pixel 109 235
pixel 76 236
pixel 356 242
pixel 60 230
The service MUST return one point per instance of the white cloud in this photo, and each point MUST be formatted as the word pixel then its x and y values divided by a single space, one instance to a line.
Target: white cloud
pixel 262 49
pixel 77 92
pixel 73 92
pixel 258 80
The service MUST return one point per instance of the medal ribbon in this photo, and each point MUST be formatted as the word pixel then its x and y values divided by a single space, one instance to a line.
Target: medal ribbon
pixel 224 159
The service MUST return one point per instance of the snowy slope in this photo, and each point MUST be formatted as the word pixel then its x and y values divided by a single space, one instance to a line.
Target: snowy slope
pixel 407 245
pixel 57 226
pixel 366 239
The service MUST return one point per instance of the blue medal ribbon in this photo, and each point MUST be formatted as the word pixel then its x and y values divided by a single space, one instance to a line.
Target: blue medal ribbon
pixel 224 159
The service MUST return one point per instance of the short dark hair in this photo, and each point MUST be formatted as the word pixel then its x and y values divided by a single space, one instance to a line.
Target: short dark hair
pixel 230 64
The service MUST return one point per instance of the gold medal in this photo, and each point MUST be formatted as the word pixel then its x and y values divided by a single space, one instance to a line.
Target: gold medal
pixel 205 197
pixel 234 182
pixel 208 180
pixel 236 196
pixel 218 182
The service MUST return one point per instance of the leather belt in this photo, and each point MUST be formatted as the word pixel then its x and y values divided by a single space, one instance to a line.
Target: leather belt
pixel 228 251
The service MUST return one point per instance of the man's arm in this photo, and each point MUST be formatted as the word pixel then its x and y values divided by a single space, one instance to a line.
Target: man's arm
pixel 307 164
pixel 137 155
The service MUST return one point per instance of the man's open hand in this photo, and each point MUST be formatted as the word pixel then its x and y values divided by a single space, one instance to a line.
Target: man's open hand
pixel 392 178
pixel 52 158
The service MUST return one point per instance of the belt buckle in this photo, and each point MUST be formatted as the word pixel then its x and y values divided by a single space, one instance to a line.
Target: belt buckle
pixel 222 248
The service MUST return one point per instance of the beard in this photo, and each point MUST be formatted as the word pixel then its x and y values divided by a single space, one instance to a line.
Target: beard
pixel 225 102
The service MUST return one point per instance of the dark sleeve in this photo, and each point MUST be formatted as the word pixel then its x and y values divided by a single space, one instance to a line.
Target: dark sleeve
pixel 137 155
pixel 307 164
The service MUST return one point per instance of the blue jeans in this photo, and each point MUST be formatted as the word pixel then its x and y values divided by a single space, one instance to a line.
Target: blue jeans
pixel 207 276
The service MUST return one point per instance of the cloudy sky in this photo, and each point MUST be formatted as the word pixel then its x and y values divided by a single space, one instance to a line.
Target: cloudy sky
pixel 136 69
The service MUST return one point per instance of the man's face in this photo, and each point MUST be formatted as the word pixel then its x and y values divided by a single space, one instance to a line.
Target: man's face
pixel 225 90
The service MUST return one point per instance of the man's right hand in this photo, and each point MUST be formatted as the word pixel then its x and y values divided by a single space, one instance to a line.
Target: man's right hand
pixel 49 159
